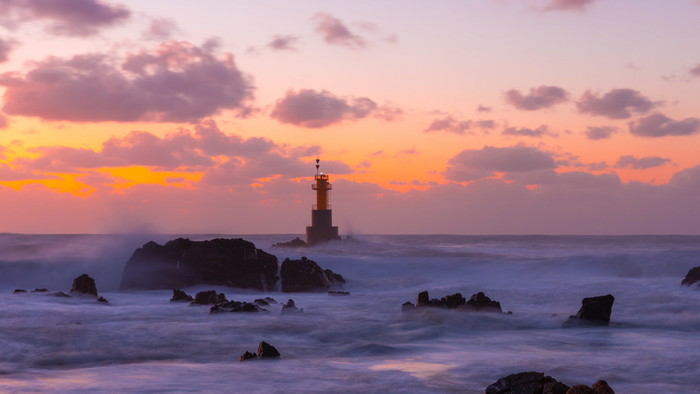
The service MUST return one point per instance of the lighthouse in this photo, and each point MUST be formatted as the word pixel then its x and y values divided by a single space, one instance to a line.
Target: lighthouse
pixel 322 228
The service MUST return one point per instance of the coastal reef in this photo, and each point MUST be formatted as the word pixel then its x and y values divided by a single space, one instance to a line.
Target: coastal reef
pixel 538 383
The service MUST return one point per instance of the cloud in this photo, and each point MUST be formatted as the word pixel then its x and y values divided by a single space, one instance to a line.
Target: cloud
pixel 161 29
pixel 482 108
pixel 6 46
pixel 688 178
pixel 641 163
pixel 526 132
pixel 659 125
pixel 176 82
pixel 472 164
pixel 568 5
pixel 616 104
pixel 599 132
pixel 334 32
pixel 450 125
pixel 283 43
pixel 3 121
pixel 538 98
pixel 695 71
pixel 317 109
pixel 67 17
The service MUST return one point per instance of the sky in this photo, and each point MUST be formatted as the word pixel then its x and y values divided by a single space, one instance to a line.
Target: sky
pixel 451 117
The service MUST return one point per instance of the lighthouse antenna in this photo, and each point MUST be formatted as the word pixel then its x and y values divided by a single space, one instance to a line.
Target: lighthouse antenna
pixel 317 165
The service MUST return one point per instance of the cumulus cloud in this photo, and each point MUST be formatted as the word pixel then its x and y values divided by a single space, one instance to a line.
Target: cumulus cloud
pixel 177 82
pixel 641 163
pixel 538 98
pixel 449 124
pixel 283 43
pixel 6 46
pixel 66 17
pixel 317 109
pixel 526 132
pixel 599 132
pixel 334 32
pixel 568 5
pixel 688 178
pixel 616 104
pixel 659 125
pixel 161 29
pixel 472 164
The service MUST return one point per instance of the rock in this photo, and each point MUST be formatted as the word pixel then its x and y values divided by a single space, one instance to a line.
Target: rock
pixel 601 387
pixel 295 243
pixel 182 263
pixel 265 350
pixel 407 307
pixel 19 291
pixel 692 277
pixel 61 294
pixel 423 299
pixel 481 302
pixel 290 307
pixel 478 302
pixel 102 300
pixel 209 298
pixel 40 291
pixel 248 356
pixel 580 389
pixel 594 310
pixel 84 284
pixel 179 295
pixel 265 301
pixel 303 275
pixel 338 293
pixel 236 306
pixel 526 383
pixel 333 277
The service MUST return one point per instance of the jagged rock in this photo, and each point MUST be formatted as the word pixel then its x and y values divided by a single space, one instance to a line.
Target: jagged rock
pixel 236 306
pixel 102 300
pixel 19 291
pixel 295 243
pixel 248 356
pixel 423 299
pixel 61 294
pixel 407 307
pixel 333 277
pixel 580 389
pixel 594 310
pixel 303 275
pixel 179 295
pixel 478 302
pixel 692 277
pixel 526 383
pixel 290 307
pixel 265 350
pixel 260 301
pixel 84 284
pixel 182 263
pixel 338 293
pixel 209 298
pixel 481 302
pixel 40 291
pixel 602 387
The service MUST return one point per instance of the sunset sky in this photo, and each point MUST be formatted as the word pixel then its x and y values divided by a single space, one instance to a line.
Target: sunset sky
pixel 467 117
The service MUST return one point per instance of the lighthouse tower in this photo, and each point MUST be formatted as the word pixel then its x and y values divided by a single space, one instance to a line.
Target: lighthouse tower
pixel 322 228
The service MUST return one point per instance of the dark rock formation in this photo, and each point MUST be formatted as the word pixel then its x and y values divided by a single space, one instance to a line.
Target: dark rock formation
pixel 248 356
pixel 102 300
pixel 594 310
pixel 181 263
pixel 19 291
pixel 333 277
pixel 265 301
pixel 338 293
pixel 209 298
pixel 580 389
pixel 295 243
pixel 478 302
pixel 692 277
pixel 61 294
pixel 291 307
pixel 601 387
pixel 265 350
pixel 84 284
pixel 179 295
pixel 40 291
pixel 527 383
pixel 236 306
pixel 303 275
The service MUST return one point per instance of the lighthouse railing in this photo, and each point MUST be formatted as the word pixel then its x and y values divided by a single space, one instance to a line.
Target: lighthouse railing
pixel 315 207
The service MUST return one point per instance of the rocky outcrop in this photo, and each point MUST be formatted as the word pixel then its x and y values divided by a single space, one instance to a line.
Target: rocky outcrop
pixel 209 297
pixel 17 291
pixel 692 277
pixel 236 306
pixel 305 275
pixel 182 262
pixel 594 311
pixel 84 284
pixel 295 243
pixel 291 307
pixel 181 296
pixel 527 383
pixel 265 350
pixel 478 302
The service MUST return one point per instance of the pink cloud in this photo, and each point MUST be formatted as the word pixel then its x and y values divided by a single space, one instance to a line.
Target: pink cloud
pixel 482 108
pixel 526 132
pixel 659 125
pixel 334 32
pixel 472 164
pixel 283 43
pixel 6 46
pixel 695 71
pixel 450 125
pixel 67 17
pixel 599 132
pixel 641 163
pixel 568 5
pixel 161 29
pixel 616 104
pixel 177 82
pixel 317 109
pixel 3 121
pixel 538 98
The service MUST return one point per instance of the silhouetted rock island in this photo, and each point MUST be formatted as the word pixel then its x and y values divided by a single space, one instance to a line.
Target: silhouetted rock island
pixel 305 275
pixel 692 277
pixel 478 302
pixel 538 383
pixel 593 311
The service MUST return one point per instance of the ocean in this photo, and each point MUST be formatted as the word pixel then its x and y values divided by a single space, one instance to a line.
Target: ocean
pixel 361 343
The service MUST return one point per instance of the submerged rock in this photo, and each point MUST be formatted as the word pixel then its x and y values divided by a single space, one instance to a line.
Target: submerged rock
pixel 102 300
pixel 478 302
pixel 84 284
pixel 19 291
pixel 182 263
pixel 248 356
pixel 209 298
pixel 594 310
pixel 481 302
pixel 40 290
pixel 295 243
pixel 527 383
pixel 303 275
pixel 291 307
pixel 692 277
pixel 61 294
pixel 179 295
pixel 236 306
pixel 265 350
pixel 338 293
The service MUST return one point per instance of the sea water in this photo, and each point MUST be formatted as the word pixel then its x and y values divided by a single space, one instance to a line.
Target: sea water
pixel 360 343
